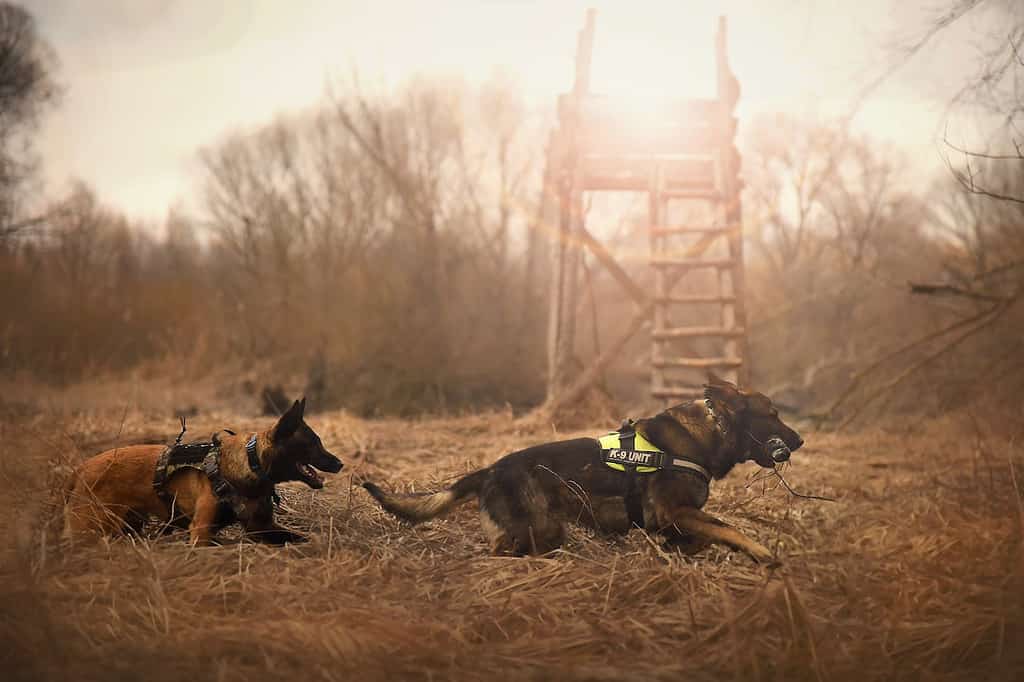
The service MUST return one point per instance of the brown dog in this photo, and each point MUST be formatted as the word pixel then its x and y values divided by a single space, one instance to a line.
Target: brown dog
pixel 115 491
pixel 527 496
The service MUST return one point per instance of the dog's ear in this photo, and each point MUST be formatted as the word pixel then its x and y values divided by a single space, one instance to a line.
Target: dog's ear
pixel 726 394
pixel 716 380
pixel 289 421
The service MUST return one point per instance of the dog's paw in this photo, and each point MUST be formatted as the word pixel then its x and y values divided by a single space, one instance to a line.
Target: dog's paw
pixel 763 555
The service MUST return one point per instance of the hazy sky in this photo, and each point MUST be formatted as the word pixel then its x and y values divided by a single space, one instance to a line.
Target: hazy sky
pixel 149 82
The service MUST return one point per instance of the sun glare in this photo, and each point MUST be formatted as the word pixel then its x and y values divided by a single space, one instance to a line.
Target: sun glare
pixel 677 65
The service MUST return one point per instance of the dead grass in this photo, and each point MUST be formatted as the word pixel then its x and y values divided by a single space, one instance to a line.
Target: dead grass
pixel 914 573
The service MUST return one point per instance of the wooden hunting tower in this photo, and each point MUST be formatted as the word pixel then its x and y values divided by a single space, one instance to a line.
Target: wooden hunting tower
pixel 689 293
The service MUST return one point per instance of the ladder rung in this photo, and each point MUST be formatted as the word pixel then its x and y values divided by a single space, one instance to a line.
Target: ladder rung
pixel 677 392
pixel 662 231
pixel 710 194
pixel 698 363
pixel 695 298
pixel 691 332
pixel 658 157
pixel 665 262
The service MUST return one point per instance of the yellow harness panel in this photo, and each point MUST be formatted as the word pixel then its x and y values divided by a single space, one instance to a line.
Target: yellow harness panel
pixel 640 444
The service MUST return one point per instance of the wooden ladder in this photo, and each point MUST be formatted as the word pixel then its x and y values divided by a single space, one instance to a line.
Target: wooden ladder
pixel 680 151
pixel 688 339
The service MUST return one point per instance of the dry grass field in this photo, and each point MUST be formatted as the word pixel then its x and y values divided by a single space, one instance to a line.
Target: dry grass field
pixel 914 573
pixel 210 208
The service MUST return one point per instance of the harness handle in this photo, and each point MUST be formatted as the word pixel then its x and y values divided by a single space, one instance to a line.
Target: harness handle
pixel 177 441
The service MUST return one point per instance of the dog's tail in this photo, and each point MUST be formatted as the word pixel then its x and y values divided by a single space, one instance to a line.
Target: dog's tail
pixel 416 507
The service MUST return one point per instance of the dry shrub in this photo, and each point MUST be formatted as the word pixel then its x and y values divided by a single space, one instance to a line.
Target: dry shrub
pixel 373 251
pixel 836 327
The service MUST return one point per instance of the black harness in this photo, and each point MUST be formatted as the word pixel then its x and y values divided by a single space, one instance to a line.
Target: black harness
pixel 204 456
pixel 635 463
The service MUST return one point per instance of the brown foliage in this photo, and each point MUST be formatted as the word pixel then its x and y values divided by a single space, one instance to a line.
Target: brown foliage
pixel 375 249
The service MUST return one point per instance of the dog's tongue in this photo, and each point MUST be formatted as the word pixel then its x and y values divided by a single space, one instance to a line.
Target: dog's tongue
pixel 310 476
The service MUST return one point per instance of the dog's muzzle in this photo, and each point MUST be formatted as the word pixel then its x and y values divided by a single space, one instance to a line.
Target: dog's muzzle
pixel 777 449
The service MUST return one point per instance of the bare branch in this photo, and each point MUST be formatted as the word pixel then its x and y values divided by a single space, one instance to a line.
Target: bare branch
pixel 966 179
pixel 856 379
pixel 938 289
pixel 993 315
pixel 982 155
pixel 999 269
pixel 13 229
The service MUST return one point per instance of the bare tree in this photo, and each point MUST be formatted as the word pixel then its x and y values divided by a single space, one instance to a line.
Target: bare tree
pixel 864 204
pixel 497 156
pixel 444 173
pixel 978 215
pixel 788 166
pixel 995 92
pixel 372 221
pixel 988 241
pixel 27 87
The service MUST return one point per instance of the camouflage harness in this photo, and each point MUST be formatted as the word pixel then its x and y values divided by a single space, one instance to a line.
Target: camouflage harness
pixel 204 456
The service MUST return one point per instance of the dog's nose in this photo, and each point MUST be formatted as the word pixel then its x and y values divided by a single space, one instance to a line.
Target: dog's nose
pixel 799 442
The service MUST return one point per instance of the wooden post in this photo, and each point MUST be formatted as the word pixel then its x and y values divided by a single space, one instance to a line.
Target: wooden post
pixel 728 94
pixel 556 161
pixel 656 242
pixel 562 324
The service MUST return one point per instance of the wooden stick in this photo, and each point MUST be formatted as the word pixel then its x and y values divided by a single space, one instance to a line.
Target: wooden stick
pixel 935 289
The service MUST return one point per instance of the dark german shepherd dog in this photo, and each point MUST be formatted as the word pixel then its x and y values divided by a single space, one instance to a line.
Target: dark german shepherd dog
pixel 527 496
pixel 231 479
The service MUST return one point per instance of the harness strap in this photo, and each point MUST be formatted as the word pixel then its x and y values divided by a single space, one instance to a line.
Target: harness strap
pixel 642 456
pixel 224 491
pixel 160 479
pixel 634 503
pixel 254 458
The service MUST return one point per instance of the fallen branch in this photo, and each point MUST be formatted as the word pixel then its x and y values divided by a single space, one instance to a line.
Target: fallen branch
pixel 999 269
pixel 995 314
pixel 939 289
pixel 785 484
pixel 931 336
